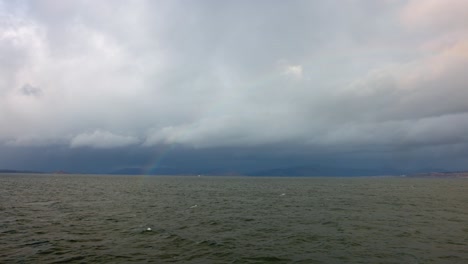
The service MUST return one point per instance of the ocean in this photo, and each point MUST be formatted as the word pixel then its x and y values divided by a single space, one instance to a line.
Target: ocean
pixel 172 219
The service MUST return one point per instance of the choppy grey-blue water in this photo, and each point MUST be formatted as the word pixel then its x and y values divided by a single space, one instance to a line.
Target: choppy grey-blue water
pixel 141 219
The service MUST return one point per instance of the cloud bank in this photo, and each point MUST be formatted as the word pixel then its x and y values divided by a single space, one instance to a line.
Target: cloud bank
pixel 207 74
pixel 102 139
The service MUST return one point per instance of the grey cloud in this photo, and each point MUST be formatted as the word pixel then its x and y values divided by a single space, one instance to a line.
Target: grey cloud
pixel 30 90
pixel 207 74
pixel 102 139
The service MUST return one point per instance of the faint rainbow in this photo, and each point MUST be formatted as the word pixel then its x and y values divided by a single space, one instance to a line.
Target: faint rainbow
pixel 158 158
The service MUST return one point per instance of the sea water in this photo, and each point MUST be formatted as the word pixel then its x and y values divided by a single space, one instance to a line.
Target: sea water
pixel 143 219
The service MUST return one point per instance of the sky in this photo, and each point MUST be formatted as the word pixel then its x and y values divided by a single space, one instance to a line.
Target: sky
pixel 94 86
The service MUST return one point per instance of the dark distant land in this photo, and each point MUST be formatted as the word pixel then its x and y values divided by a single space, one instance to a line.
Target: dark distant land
pixel 459 174
pixel 296 171
pixel 19 171
pixel 301 171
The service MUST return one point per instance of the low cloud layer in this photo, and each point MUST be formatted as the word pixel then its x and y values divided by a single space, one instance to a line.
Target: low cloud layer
pixel 102 139
pixel 316 74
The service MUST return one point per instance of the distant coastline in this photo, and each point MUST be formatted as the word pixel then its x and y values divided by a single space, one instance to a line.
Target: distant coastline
pixel 20 171
pixel 268 173
pixel 461 174
pixel 32 172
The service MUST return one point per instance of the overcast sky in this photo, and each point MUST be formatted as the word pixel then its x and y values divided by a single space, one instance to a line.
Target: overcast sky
pixel 360 82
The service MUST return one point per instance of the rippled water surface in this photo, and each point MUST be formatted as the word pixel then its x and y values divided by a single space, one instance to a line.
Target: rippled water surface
pixel 140 219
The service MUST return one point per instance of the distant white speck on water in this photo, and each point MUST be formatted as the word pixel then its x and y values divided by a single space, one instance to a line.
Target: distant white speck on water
pixel 193 206
pixel 148 229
